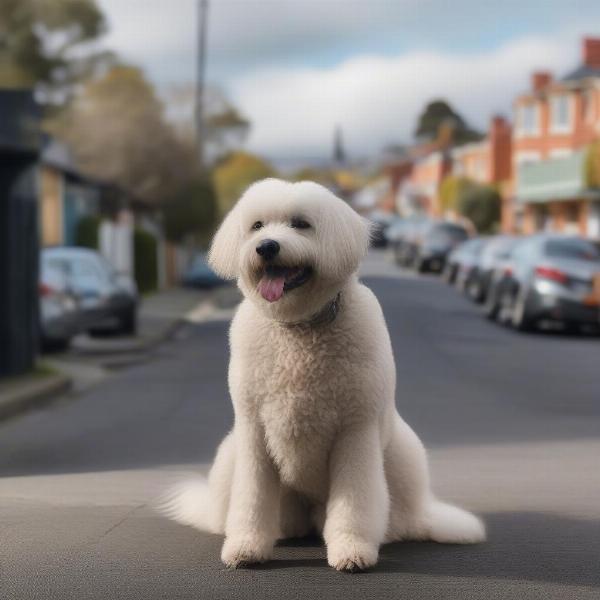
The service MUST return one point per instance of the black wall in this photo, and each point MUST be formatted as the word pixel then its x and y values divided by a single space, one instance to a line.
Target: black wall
pixel 18 264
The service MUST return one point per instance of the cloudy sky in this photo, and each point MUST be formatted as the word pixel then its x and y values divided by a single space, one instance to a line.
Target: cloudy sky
pixel 297 68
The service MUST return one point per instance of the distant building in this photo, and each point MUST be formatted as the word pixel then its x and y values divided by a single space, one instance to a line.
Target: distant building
pixel 65 195
pixel 489 162
pixel 556 121
pixel 416 179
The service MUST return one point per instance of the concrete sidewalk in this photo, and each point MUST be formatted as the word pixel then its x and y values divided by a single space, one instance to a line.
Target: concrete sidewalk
pixel 91 360
pixel 21 393
pixel 159 316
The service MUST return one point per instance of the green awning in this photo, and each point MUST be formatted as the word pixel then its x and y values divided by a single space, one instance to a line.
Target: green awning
pixel 554 179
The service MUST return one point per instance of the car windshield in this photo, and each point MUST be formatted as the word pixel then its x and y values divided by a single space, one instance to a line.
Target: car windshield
pixel 503 248
pixel 572 248
pixel 444 234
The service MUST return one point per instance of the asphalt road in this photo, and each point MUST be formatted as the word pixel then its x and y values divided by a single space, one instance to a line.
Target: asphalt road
pixel 512 422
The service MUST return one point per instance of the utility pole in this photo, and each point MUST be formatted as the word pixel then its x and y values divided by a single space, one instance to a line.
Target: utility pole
pixel 200 73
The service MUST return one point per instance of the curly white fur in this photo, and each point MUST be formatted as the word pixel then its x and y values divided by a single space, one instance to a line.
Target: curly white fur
pixel 317 442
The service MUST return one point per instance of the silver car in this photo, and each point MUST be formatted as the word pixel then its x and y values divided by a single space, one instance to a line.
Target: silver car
pixel 106 299
pixel 548 277
pixel 60 315
pixel 496 250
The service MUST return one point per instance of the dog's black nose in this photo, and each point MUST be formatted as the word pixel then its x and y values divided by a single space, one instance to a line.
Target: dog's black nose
pixel 268 249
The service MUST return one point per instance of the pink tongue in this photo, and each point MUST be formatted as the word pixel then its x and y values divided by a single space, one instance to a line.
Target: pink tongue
pixel 271 289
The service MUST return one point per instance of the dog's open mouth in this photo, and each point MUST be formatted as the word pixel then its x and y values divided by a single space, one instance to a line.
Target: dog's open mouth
pixel 276 280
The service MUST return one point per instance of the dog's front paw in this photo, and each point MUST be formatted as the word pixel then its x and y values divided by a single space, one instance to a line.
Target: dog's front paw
pixel 351 555
pixel 245 550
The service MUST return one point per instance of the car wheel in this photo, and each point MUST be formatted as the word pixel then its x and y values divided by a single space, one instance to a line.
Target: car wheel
pixel 398 254
pixel 521 319
pixel 491 306
pixel 128 321
pixel 506 301
pixel 418 264
pixel 474 291
pixel 448 274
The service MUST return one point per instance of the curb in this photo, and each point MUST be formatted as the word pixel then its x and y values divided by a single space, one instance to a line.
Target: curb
pixel 131 346
pixel 34 392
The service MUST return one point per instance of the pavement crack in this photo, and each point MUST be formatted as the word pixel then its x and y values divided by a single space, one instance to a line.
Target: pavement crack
pixel 120 521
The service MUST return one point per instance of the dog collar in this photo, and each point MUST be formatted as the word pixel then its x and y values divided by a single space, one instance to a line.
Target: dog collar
pixel 325 316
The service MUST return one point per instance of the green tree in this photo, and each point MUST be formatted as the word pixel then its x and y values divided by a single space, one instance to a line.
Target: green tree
pixel 592 165
pixel 118 132
pixel 439 114
pixel 87 232
pixel 451 188
pixel 224 128
pixel 145 249
pixel 45 44
pixel 481 204
pixel 192 212
pixel 235 173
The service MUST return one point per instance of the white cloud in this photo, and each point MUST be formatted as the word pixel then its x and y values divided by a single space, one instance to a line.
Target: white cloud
pixel 269 54
pixel 376 100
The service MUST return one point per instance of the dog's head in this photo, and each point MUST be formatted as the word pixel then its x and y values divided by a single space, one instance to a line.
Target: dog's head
pixel 291 246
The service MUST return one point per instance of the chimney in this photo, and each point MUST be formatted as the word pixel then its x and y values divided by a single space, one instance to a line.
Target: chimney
pixel 540 79
pixel 500 140
pixel 591 52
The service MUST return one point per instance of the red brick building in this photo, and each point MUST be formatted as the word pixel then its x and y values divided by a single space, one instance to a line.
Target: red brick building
pixel 555 121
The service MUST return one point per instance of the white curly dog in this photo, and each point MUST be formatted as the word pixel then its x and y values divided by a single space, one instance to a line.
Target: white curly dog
pixel 317 444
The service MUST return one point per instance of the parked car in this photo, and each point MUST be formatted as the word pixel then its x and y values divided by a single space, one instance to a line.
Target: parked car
pixel 60 315
pixel 494 252
pixel 548 277
pixel 379 224
pixel 200 275
pixel 434 243
pixel 462 260
pixel 403 238
pixel 108 300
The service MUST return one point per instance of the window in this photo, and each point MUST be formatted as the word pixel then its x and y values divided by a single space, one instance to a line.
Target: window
pixel 527 157
pixel 561 153
pixel 529 121
pixel 560 113
pixel 572 248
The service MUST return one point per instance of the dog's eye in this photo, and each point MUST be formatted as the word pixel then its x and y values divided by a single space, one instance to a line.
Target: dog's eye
pixel 297 223
pixel 257 225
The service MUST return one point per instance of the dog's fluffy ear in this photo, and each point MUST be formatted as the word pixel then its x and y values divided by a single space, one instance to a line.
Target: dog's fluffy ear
pixel 345 240
pixel 224 252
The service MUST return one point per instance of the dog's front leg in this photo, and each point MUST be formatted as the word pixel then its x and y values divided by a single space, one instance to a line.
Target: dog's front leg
pixel 252 522
pixel 358 503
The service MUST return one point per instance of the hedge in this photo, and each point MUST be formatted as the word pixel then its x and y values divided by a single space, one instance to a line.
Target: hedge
pixel 145 249
pixel 87 232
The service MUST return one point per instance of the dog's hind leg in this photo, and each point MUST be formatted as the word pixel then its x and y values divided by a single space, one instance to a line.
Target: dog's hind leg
pixel 407 478
pixel 294 516
pixel 415 514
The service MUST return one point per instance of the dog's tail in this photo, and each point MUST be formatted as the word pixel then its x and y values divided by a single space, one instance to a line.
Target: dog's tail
pixel 449 524
pixel 187 503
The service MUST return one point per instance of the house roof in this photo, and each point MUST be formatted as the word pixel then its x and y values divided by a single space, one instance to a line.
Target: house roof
pixel 581 72
pixel 57 154
pixel 20 122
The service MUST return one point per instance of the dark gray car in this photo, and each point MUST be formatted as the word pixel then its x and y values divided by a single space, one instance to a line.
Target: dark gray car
pixel 107 300
pixel 462 260
pixel 434 244
pixel 548 277
pixel 495 251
